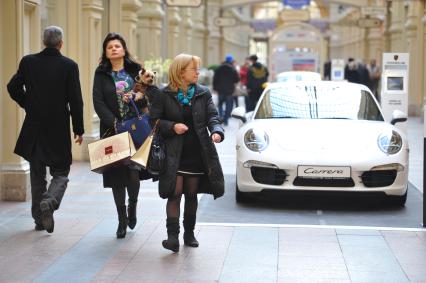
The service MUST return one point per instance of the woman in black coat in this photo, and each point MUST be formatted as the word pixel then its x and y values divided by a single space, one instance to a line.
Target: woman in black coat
pixel 189 125
pixel 113 82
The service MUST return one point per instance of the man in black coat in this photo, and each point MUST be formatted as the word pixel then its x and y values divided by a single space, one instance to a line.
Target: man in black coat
pixel 224 80
pixel 47 87
pixel 257 76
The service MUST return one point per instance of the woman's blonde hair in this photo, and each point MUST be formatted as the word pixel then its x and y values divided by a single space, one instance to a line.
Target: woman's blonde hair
pixel 180 63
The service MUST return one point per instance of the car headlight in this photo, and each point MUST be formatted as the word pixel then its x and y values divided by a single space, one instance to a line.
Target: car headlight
pixel 256 140
pixel 390 143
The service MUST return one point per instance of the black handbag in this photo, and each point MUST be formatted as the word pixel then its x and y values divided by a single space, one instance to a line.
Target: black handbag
pixel 157 155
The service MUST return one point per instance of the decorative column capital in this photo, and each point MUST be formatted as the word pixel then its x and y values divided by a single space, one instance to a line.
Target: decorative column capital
pixel 151 10
pixel 94 5
pixel 131 5
pixel 173 16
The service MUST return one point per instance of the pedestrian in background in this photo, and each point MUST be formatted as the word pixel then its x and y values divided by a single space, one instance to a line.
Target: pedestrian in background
pixel 47 87
pixel 224 80
pixel 375 75
pixel 189 125
pixel 112 89
pixel 256 78
pixel 357 72
pixel 243 78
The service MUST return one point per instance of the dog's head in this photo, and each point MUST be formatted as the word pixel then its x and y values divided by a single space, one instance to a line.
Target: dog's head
pixel 146 77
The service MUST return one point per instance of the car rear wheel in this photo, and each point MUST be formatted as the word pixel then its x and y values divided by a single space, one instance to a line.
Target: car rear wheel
pixel 398 200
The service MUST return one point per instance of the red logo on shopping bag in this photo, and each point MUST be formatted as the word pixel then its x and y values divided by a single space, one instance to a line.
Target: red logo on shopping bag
pixel 108 150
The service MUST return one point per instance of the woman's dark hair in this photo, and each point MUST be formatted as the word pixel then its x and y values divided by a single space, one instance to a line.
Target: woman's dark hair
pixel 104 62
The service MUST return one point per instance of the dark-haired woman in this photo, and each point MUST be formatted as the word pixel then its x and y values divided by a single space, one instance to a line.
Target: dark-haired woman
pixel 113 82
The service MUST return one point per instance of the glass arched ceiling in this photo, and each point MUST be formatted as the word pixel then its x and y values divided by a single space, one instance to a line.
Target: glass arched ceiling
pixel 235 3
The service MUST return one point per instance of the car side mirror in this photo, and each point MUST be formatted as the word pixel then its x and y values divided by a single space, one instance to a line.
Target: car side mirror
pixel 398 116
pixel 239 113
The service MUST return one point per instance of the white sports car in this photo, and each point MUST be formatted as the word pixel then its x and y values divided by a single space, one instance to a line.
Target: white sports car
pixel 320 136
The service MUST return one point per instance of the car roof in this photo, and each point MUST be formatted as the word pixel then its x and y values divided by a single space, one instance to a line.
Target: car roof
pixel 299 76
pixel 329 84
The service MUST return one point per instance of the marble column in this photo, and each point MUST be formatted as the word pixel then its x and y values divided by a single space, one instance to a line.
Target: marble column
pixel 213 36
pixel 115 17
pixel 414 32
pixel 423 40
pixel 396 27
pixel 91 49
pixel 149 30
pixel 375 44
pixel 186 31
pixel 129 16
pixel 173 41
pixel 199 33
pixel 20 28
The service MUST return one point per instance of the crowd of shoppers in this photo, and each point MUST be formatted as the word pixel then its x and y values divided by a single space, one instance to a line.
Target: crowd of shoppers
pixel 231 81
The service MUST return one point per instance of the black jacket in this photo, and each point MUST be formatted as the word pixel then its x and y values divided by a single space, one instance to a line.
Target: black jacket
pixel 52 93
pixel 206 121
pixel 224 79
pixel 256 77
pixel 106 106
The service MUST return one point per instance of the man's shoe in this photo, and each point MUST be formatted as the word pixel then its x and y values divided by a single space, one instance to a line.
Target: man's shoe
pixel 39 227
pixel 47 216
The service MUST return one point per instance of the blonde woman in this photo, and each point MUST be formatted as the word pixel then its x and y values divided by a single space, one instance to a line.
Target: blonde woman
pixel 189 125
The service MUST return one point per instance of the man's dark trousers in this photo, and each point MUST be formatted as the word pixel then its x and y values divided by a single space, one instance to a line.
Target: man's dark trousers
pixel 228 99
pixel 53 195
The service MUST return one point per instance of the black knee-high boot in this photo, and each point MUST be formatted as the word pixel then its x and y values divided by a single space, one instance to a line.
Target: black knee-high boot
pixel 131 212
pixel 188 235
pixel 122 222
pixel 172 242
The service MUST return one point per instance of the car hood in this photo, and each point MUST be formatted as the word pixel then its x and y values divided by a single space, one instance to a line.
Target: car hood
pixel 323 135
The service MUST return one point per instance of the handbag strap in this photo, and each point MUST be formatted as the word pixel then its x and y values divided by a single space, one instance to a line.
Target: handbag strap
pixel 154 129
pixel 135 107
pixel 106 132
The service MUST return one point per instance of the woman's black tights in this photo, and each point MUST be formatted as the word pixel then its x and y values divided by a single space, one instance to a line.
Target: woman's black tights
pixel 132 189
pixel 188 186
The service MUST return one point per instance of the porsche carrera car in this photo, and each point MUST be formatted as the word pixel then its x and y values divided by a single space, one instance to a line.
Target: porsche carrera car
pixel 320 136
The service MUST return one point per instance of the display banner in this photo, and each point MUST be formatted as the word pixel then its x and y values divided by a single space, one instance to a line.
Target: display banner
pixel 394 93
pixel 296 4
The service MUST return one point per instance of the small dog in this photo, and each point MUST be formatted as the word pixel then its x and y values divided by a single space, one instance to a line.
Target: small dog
pixel 144 79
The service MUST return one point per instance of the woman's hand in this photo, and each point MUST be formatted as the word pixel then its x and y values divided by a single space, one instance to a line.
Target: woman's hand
pixel 216 138
pixel 127 96
pixel 180 128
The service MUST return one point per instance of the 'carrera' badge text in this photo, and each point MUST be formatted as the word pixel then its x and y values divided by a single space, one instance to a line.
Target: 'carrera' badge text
pixel 322 171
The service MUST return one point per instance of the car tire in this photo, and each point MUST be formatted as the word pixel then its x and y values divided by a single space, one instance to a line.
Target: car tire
pixel 399 200
pixel 241 197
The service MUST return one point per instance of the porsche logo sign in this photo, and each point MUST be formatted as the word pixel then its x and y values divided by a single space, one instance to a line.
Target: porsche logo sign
pixel 184 3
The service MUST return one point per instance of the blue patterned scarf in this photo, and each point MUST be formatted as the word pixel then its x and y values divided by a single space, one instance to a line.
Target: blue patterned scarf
pixel 186 100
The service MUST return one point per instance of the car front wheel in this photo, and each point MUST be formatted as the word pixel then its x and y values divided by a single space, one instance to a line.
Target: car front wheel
pixel 398 200
pixel 241 197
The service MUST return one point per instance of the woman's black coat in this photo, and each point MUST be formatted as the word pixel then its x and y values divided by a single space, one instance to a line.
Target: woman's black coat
pixel 106 106
pixel 166 107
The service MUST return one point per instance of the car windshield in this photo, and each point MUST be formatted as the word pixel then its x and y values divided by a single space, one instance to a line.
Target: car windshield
pixel 318 102
pixel 298 76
